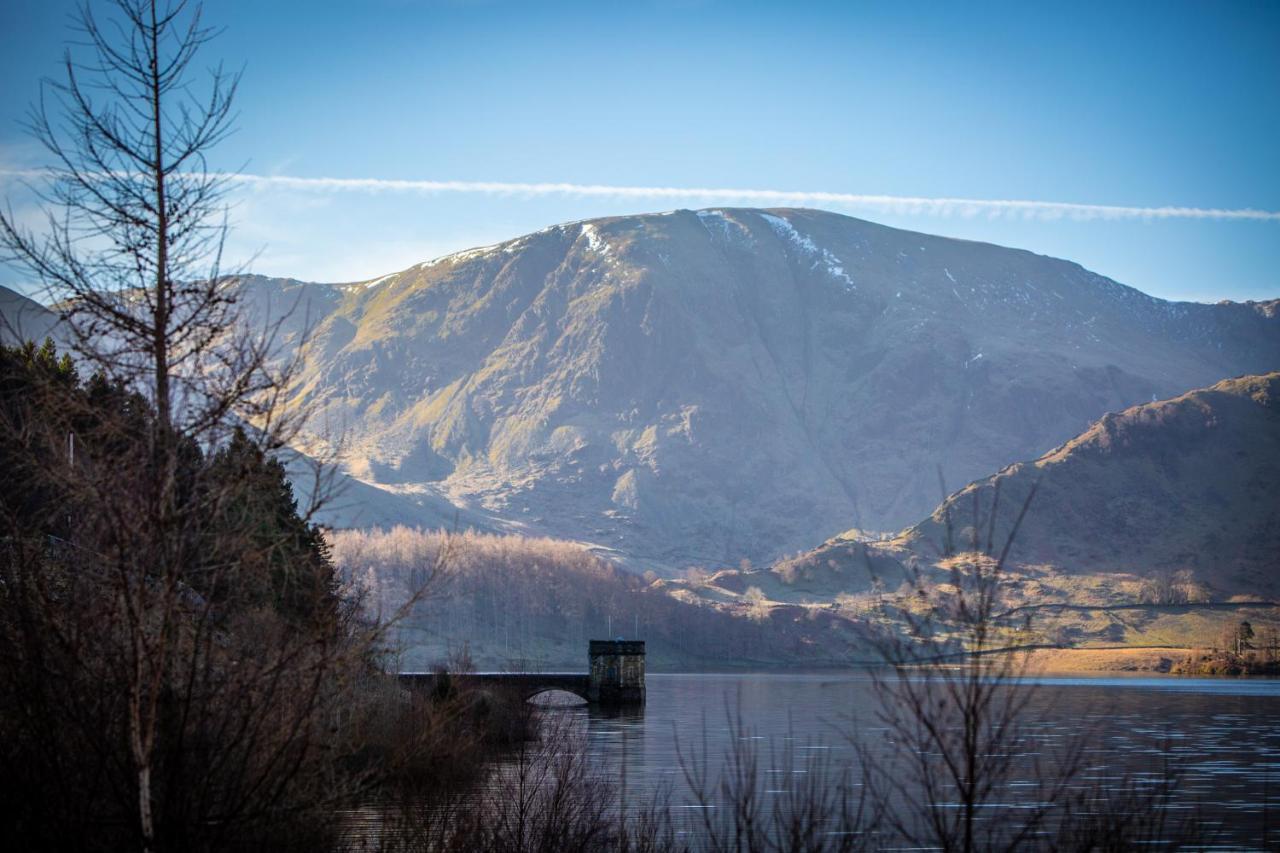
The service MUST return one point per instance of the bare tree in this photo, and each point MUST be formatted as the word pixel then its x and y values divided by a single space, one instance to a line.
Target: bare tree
pixel 809 804
pixel 967 762
pixel 134 218
pixel 131 248
pixel 954 705
pixel 200 611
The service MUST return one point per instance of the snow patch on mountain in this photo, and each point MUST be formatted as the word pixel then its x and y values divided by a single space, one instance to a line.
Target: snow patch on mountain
pixel 458 257
pixel 788 232
pixel 368 285
pixel 595 242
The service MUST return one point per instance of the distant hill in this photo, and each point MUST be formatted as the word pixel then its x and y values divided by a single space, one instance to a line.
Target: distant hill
pixel 1186 484
pixel 1191 483
pixel 702 387
pixel 1181 493
pixel 24 319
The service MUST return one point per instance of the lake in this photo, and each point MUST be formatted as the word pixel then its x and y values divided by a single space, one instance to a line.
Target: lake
pixel 1223 735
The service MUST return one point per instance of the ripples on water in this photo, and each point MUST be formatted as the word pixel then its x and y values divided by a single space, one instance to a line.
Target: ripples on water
pixel 1222 735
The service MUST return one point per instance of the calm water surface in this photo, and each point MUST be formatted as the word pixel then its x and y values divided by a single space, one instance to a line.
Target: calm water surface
pixel 1223 734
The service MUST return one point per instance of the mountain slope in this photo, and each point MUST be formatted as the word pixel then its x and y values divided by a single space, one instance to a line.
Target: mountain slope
pixel 702 387
pixel 347 501
pixel 1157 527
pixel 1189 483
pixel 707 386
pixel 24 319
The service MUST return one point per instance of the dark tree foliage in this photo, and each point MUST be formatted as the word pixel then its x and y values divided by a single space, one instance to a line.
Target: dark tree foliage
pixel 170 677
pixel 32 379
pixel 50 416
pixel 262 572
pixel 284 562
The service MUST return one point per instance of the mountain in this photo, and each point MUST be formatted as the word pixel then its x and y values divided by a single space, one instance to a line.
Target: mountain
pixel 1191 483
pixel 1172 503
pixel 24 319
pixel 346 502
pixel 702 387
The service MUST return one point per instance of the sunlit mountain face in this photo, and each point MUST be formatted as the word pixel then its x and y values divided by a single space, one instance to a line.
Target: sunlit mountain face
pixel 702 387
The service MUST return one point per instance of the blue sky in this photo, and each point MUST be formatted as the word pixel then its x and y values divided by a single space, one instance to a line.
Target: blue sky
pixel 1133 105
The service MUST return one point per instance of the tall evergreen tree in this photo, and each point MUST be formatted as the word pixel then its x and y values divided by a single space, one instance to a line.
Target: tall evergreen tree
pixel 283 561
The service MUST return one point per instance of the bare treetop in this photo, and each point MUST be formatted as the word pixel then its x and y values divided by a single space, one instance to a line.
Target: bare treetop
pixel 135 219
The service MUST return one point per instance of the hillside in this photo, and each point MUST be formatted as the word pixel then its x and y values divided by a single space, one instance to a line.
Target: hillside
pixel 1157 526
pixel 24 319
pixel 1191 483
pixel 702 387
pixel 1187 484
pixel 346 501
pixel 529 604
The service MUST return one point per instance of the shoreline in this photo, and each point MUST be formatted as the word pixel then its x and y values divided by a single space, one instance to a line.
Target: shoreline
pixel 1145 659
pixel 1111 660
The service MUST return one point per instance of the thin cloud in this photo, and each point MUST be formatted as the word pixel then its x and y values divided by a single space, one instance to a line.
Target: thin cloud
pixel 964 207
pixel 910 205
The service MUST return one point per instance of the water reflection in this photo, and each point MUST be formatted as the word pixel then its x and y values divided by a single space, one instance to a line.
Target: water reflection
pixel 1222 736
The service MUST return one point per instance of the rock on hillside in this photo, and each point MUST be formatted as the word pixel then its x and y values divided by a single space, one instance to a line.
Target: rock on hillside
pixel 699 387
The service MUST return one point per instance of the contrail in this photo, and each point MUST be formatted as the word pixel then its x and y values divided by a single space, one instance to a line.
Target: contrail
pixel 945 206
pixel 967 207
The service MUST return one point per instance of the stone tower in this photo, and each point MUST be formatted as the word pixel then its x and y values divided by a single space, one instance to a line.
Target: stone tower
pixel 617 672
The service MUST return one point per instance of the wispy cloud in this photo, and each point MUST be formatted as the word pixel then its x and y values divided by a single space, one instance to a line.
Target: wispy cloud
pixel 907 205
pixel 963 207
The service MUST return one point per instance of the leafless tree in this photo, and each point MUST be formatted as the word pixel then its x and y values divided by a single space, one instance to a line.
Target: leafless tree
pixel 134 217
pixel 544 796
pixel 131 250
pixel 967 762
pixel 183 694
pixel 954 706
pixel 807 805
pixel 1168 588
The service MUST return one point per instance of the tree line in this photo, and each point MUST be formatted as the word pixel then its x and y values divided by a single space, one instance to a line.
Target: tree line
pixel 525 603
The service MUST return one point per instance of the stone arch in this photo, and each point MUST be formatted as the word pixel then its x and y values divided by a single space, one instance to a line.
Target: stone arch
pixel 531 693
